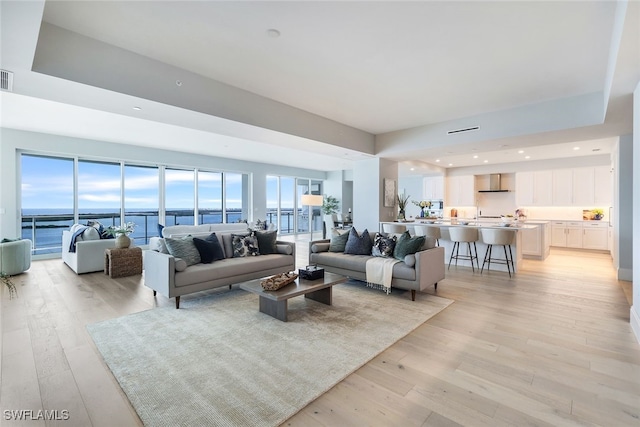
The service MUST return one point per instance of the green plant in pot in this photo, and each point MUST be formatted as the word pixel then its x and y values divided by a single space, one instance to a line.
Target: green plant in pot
pixel 402 205
pixel 598 214
pixel 330 206
pixel 6 279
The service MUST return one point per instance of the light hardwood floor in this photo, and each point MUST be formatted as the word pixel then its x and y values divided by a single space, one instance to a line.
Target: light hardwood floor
pixel 551 346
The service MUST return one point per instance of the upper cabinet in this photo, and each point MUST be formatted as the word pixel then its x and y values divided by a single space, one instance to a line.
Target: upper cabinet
pixel 461 190
pixel 534 188
pixel 562 194
pixel 591 186
pixel 602 186
pixel 433 188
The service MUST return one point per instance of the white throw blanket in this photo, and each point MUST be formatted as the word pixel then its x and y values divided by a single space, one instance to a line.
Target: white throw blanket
pixel 380 272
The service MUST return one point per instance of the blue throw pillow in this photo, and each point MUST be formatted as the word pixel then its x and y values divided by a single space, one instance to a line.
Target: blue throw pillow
pixel 209 248
pixel 160 228
pixel 358 244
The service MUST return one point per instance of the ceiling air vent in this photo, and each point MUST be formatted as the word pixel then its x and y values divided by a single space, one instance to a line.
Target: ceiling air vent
pixel 451 132
pixel 6 80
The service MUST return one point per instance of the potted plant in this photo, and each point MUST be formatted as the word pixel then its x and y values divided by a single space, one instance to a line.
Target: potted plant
pixel 121 233
pixel 598 214
pixel 330 206
pixel 402 205
pixel 6 279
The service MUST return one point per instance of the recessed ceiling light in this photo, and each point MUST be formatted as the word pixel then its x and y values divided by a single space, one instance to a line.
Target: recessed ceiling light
pixel 178 83
pixel 527 157
pixel 576 148
pixel 450 164
pixel 437 160
pixel 272 32
pixel 520 151
pixel 486 161
pixel 137 108
pixel 412 169
pixel 475 157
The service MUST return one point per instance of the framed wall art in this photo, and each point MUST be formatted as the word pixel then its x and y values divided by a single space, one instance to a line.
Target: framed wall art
pixel 389 193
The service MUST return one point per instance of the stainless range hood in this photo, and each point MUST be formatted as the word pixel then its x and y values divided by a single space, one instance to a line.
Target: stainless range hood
pixel 494 184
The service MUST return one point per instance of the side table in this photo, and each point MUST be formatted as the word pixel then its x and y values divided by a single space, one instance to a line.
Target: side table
pixel 121 262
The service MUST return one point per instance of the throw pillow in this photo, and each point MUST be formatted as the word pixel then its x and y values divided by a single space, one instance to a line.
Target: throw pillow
pixel 209 248
pixel 244 246
pixel 183 248
pixel 384 245
pixel 407 245
pixel 358 244
pixel 338 242
pixel 160 228
pixel 267 241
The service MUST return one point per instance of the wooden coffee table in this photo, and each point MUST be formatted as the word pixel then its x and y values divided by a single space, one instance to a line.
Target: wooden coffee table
pixel 274 303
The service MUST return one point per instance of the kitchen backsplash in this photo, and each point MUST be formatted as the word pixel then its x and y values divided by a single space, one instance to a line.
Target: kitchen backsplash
pixel 563 213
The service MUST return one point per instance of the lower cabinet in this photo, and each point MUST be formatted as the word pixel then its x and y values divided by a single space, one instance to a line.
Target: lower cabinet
pixel 579 234
pixel 595 236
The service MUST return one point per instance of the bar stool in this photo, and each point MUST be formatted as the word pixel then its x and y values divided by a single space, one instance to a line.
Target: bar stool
pixel 504 238
pixel 464 235
pixel 428 231
pixel 394 228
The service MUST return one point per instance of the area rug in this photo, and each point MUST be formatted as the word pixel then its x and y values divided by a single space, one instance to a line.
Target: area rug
pixel 218 361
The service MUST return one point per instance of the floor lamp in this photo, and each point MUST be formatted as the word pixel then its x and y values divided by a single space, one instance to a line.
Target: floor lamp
pixel 311 200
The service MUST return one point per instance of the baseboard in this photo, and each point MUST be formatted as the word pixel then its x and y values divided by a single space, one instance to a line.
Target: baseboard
pixel 625 274
pixel 635 323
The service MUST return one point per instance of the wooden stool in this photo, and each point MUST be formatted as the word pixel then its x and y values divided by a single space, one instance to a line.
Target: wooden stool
pixel 121 262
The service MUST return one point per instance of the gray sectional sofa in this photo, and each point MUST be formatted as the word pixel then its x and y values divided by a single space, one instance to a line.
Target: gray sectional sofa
pixel 416 272
pixel 172 277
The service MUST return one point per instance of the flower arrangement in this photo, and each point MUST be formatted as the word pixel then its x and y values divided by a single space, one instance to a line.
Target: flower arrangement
pixel 125 228
pixel 598 214
pixel 422 204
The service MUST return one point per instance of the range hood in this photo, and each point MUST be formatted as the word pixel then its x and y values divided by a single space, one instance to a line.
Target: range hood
pixel 494 184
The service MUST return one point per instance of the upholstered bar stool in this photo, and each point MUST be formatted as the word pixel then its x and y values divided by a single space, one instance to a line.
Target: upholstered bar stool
pixel 464 235
pixel 428 231
pixel 394 228
pixel 504 238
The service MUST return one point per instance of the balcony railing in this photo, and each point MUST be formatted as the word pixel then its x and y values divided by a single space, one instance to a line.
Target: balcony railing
pixel 45 231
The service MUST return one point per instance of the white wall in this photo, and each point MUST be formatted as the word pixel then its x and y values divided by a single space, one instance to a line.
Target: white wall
pixel 623 212
pixel 368 176
pixel 13 141
pixel 635 309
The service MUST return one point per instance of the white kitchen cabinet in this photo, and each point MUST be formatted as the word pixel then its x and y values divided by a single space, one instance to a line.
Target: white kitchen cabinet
pixel 433 188
pixel 534 188
pixel 566 234
pixel 562 194
pixel 535 241
pixel 461 190
pixel 524 189
pixel 602 186
pixel 595 235
pixel 583 186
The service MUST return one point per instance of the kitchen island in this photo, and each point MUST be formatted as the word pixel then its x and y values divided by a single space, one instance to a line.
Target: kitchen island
pixel 518 228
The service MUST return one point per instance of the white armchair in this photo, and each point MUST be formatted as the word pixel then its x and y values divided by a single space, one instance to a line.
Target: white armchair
pixel 15 256
pixel 89 254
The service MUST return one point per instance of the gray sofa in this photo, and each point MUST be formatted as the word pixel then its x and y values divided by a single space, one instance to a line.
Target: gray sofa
pixel 416 273
pixel 171 277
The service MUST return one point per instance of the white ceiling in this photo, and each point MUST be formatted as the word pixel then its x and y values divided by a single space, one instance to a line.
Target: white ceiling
pixel 375 66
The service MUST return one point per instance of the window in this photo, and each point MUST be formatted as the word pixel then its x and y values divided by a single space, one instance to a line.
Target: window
pixel 47 201
pixel 209 197
pixel 99 195
pixel 141 201
pixel 235 203
pixel 179 197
